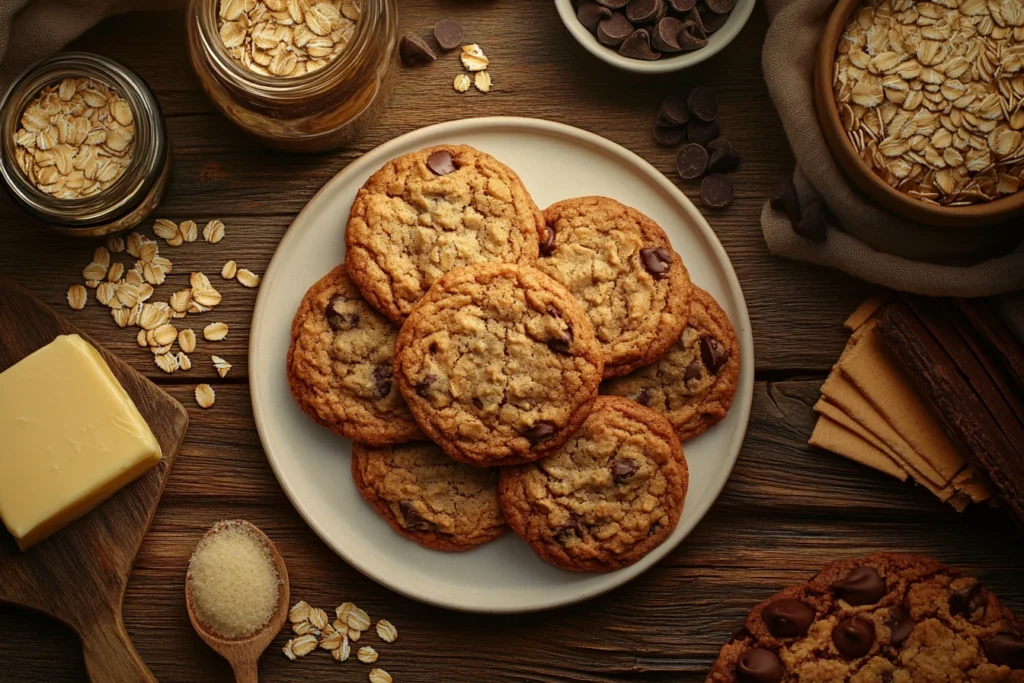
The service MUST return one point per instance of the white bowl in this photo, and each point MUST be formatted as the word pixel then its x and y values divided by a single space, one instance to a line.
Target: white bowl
pixel 677 62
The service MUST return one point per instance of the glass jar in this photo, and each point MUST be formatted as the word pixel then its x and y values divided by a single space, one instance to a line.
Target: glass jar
pixel 131 196
pixel 319 110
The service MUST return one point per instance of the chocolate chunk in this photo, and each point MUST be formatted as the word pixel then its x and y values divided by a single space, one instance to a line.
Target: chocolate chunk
pixel 591 14
pixel 449 34
pixel 702 103
pixel 692 161
pixel 653 529
pixel 669 137
pixel 477 403
pixel 862 586
pixel 613 4
pixel 713 354
pixel 1005 649
pixel 561 344
pixel 682 6
pixel 696 22
pixel 716 191
pixel 692 371
pixel 423 386
pixel 788 617
pixel 622 470
pixel 540 432
pixel 703 132
pixel 645 11
pixel 674 111
pixel 412 519
pixel 656 261
pixel 900 625
pixel 786 200
pixel 759 666
pixel 638 46
pixel 338 319
pixel 643 397
pixel 614 30
pixel 547 244
pixel 711 21
pixel 441 162
pixel 854 636
pixel 966 601
pixel 414 50
pixel 691 37
pixel 568 530
pixel 720 6
pixel 722 156
pixel 665 35
pixel 813 225
pixel 382 380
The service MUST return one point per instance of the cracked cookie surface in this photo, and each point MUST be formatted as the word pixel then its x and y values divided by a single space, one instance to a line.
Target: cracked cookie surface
pixel 428 497
pixel 498 364
pixel 340 365
pixel 428 212
pixel 607 497
pixel 695 382
pixel 885 618
pixel 620 265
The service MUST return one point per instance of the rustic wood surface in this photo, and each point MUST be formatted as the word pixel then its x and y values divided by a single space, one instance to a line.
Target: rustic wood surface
pixel 787 510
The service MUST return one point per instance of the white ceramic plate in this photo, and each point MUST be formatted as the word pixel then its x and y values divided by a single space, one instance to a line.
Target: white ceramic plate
pixel 555 162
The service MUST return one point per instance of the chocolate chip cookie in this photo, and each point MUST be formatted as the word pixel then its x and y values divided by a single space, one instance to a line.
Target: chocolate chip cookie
pixel 498 364
pixel 428 497
pixel 339 365
pixel 883 618
pixel 427 212
pixel 621 266
pixel 694 383
pixel 611 494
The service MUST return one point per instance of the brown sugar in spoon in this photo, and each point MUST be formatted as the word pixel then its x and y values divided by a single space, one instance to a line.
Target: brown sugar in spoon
pixel 244 653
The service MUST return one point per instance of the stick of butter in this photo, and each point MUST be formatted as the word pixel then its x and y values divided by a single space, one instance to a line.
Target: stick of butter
pixel 70 436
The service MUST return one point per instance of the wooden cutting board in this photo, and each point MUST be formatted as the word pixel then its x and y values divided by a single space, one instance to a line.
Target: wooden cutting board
pixel 79 574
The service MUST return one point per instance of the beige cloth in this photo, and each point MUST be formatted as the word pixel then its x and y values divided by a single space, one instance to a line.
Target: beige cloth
pixel 873 244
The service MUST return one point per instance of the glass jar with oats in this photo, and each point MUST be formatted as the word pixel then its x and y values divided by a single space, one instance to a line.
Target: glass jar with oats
pixel 297 75
pixel 84 148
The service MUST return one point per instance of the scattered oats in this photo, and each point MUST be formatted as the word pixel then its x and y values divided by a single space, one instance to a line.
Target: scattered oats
pixel 92 284
pixel 303 645
pixel 367 655
pixel 184 362
pixel 247 278
pixel 229 270
pixel 121 316
pixel 473 58
pixel 152 317
pixel 154 275
pixel 354 635
pixel 101 256
pixel 187 340
pixel 340 625
pixel 205 298
pixel 127 294
pixel 387 631
pixel 287 650
pixel 134 244
pixel 175 241
pixel 357 619
pixel 168 362
pixel 317 616
pixel 106 294
pixel 462 83
pixel 161 350
pixel 134 313
pixel 199 281
pixel 77 296
pixel 301 628
pixel 482 81
pixel 115 245
pixel 205 396
pixel 165 229
pixel 115 273
pixel 189 231
pixel 145 292
pixel 332 641
pixel 165 334
pixel 198 308
pixel 141 339
pixel 94 271
pixel 217 332
pixel 148 250
pixel 300 610
pixel 380 676
pixel 221 365
pixel 180 300
pixel 214 231
pixel 134 276
pixel 342 653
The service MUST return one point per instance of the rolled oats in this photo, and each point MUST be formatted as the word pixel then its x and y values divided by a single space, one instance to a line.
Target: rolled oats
pixel 205 396
pixel 482 81
pixel 367 655
pixel 184 362
pixel 77 296
pixel 165 229
pixel 342 653
pixel 318 618
pixel 221 365
pixel 302 645
pixel 115 245
pixel 387 631
pixel 229 270
pixel 94 271
pixel 217 332
pixel 168 362
pixel 214 231
pixel 247 278
pixel 189 231
pixel 115 272
pixel 462 83
pixel 300 610
pixel 473 58
pixel 380 676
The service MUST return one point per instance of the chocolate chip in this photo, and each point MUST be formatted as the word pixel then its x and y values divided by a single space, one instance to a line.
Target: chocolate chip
pixel 540 432
pixel 788 617
pixel 414 50
pixel 759 666
pixel 1005 649
pixel 702 103
pixel 412 519
pixel 561 344
pixel 691 161
pixel 643 397
pixel 674 110
pixel 786 200
pixel 862 586
pixel 696 22
pixel 645 11
pixel 900 624
pixel 478 403
pixel 720 6
pixel 613 4
pixel 691 37
pixel 966 601
pixel 448 33
pixel 591 14
pixel 813 224
pixel 382 380
pixel 572 528
pixel 441 162
pixel 622 470
pixel 337 318
pixel 854 636
pixel 665 35
pixel 713 354
pixel 614 30
pixel 711 21
pixel 682 6
pixel 716 191
pixel 669 136
pixel 722 156
pixel 703 132
pixel 423 386
pixel 656 261
pixel 547 245
pixel 692 371
pixel 653 529
pixel 638 46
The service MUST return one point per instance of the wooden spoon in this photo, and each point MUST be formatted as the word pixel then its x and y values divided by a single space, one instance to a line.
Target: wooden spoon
pixel 244 653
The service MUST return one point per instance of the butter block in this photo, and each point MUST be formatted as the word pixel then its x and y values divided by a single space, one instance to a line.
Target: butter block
pixel 70 436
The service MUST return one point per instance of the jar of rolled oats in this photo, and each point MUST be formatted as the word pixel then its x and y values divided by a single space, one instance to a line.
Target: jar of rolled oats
pixel 84 148
pixel 298 75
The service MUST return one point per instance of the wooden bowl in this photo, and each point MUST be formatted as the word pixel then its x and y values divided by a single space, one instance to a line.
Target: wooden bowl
pixel 972 216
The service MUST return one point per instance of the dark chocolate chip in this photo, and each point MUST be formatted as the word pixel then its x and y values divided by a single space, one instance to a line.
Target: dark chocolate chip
pixel 682 6
pixel 788 617
pixel 382 380
pixel 613 4
pixel 692 161
pixel 423 386
pixel 622 470
pixel 561 344
pixel 645 11
pixel 665 35
pixel 758 665
pixel 653 529
pixel 570 529
pixel 540 432
pixel 703 132
pixel 591 14
pixel 900 624
pixel 716 191
pixel 1005 649
pixel 669 136
pixel 702 103
pixel 414 50
pixel 674 110
pixel 786 200
pixel 478 403
pixel 711 21
pixel 722 156
pixel 449 34
pixel 854 636
pixel 412 519
pixel 441 162
pixel 862 586
pixel 720 6
pixel 643 397
pixel 813 224
pixel 966 601
pixel 691 37
pixel 692 371
pixel 656 261
pixel 614 30
pixel 638 46
pixel 547 244
pixel 697 21
pixel 713 354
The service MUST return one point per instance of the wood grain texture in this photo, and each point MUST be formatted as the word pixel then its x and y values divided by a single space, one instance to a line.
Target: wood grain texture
pixel 787 510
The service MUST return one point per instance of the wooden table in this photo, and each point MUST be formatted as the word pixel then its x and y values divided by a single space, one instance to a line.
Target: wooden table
pixel 787 510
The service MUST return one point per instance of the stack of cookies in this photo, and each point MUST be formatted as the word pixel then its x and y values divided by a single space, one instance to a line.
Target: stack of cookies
pixel 465 341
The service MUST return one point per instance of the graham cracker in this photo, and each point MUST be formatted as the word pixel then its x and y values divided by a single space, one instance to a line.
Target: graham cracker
pixel 865 312
pixel 835 414
pixel 836 438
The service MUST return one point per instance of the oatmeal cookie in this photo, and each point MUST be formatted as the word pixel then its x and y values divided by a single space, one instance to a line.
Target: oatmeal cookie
pixel 694 383
pixel 428 497
pixel 885 618
pixel 621 266
pixel 339 365
pixel 611 494
pixel 498 364
pixel 427 212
